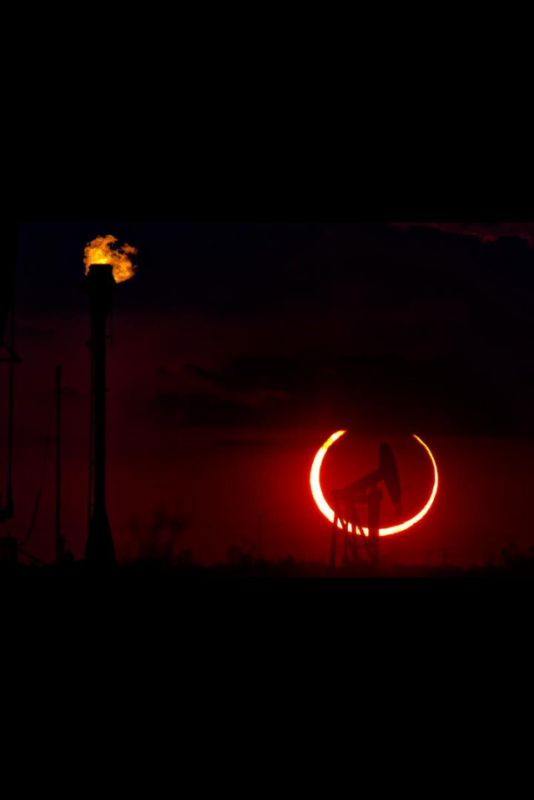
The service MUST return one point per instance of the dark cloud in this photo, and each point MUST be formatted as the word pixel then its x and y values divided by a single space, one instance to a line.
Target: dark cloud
pixel 278 303
pixel 487 231
pixel 389 391
pixel 363 321
pixel 202 397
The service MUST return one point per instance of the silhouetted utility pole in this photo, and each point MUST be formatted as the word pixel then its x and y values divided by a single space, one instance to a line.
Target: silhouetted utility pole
pixel 260 532
pixel 59 539
pixel 11 413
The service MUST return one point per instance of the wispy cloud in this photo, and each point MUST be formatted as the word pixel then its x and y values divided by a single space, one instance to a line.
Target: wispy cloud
pixel 487 231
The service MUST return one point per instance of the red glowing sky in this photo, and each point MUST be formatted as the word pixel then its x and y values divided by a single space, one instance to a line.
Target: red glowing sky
pixel 240 347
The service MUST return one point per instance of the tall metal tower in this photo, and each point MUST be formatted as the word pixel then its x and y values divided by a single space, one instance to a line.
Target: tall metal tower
pixel 100 285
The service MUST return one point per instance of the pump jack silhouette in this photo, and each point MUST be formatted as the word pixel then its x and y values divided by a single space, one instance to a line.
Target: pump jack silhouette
pixel 365 493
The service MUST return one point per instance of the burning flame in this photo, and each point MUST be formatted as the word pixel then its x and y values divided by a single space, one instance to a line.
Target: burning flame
pixel 107 250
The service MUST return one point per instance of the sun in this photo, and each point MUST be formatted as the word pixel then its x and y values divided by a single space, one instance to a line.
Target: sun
pixel 329 513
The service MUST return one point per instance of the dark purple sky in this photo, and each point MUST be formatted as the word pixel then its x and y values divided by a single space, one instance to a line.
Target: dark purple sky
pixel 241 346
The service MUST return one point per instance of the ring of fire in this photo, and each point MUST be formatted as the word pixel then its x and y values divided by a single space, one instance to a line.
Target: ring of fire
pixel 329 513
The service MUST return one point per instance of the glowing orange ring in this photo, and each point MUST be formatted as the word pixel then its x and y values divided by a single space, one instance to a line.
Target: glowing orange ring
pixel 324 508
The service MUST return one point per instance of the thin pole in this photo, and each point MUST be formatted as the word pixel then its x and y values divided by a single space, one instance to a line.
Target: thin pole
pixel 59 541
pixel 11 409
pixel 260 526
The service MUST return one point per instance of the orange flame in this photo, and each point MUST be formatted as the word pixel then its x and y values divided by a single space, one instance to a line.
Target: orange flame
pixel 107 250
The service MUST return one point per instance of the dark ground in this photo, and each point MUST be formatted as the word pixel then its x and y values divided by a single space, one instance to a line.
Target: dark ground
pixel 510 564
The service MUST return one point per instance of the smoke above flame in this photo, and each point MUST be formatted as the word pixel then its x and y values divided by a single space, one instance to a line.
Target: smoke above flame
pixel 108 250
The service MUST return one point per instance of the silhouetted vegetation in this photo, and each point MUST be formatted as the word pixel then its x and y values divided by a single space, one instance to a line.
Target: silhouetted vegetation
pixel 158 559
